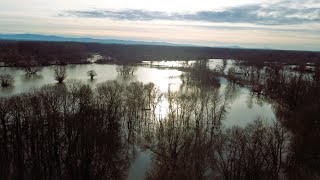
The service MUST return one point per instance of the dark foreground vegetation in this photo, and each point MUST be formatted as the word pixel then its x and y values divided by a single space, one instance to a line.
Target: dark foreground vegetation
pixel 71 131
pixel 20 53
pixel 295 95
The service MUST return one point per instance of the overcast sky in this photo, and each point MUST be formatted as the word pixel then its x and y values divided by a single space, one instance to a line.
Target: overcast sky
pixel 278 24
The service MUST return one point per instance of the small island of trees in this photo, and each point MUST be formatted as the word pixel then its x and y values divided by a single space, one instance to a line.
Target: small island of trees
pixel 92 74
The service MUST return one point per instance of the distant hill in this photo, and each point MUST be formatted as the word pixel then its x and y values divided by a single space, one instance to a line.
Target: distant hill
pixel 37 37
pixel 231 47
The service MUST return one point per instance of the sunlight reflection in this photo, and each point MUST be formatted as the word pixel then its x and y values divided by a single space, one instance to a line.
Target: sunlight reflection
pixel 164 63
pixel 162 107
pixel 162 78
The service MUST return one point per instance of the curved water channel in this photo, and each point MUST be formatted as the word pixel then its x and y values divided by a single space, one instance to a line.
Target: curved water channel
pixel 242 109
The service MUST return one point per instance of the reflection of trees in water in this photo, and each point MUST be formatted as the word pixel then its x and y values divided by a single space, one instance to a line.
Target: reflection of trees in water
pixel 255 99
pixel 232 91
pixel 294 94
pixel 32 77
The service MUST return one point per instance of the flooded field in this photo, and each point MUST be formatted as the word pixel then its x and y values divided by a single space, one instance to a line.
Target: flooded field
pixel 165 105
pixel 243 108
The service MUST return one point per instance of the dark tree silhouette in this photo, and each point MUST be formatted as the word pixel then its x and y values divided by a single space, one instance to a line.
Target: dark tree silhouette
pixel 126 70
pixel 92 74
pixel 6 80
pixel 60 73
pixel 32 67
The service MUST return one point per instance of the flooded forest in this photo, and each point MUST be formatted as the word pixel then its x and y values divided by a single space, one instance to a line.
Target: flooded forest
pixel 71 128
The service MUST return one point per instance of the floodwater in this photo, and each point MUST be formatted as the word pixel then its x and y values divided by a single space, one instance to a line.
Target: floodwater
pixel 243 108
pixel 160 77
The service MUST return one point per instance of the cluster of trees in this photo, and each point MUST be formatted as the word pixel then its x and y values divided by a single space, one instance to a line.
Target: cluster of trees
pixel 126 69
pixel 68 131
pixel 257 151
pixel 191 143
pixel 31 67
pixel 199 74
pixel 71 131
pixel 297 98
pixel 295 95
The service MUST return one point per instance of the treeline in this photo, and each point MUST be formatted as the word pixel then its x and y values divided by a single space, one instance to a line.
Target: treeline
pixel 15 52
pixel 18 53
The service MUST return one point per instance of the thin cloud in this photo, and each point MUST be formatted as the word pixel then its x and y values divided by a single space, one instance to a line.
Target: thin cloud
pixel 281 13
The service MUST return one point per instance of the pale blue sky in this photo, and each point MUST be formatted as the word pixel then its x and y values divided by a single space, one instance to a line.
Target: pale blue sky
pixel 279 24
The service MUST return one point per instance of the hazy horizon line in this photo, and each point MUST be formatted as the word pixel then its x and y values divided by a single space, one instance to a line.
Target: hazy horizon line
pixel 73 38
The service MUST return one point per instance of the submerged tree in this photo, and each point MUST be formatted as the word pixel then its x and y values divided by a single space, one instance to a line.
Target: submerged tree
pixel 126 70
pixel 60 73
pixel 6 80
pixel 92 74
pixel 31 67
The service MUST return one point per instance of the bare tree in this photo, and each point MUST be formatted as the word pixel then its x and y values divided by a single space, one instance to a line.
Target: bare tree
pixel 92 74
pixel 6 80
pixel 31 67
pixel 60 73
pixel 126 70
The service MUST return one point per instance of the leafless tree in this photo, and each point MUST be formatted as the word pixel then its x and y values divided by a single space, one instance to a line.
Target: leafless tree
pixel 125 69
pixel 60 73
pixel 31 67
pixel 256 151
pixel 6 80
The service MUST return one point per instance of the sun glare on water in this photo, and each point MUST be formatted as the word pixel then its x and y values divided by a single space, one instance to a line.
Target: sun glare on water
pixel 162 108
